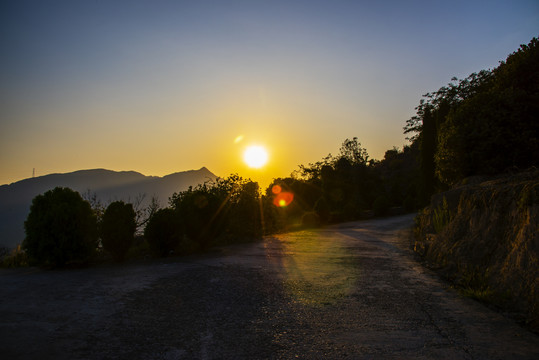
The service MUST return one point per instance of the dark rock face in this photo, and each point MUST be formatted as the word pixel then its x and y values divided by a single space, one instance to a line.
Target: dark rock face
pixel 484 235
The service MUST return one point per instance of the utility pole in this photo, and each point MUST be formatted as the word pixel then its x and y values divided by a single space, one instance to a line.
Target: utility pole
pixel 33 172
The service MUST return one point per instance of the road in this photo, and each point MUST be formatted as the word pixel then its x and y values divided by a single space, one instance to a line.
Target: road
pixel 351 291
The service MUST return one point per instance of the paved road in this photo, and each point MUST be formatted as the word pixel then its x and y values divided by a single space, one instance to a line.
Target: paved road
pixel 349 291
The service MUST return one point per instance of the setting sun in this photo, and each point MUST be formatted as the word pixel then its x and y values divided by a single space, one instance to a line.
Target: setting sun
pixel 255 156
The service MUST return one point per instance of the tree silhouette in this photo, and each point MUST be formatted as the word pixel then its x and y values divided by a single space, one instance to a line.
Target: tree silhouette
pixel 118 229
pixel 60 228
pixel 164 231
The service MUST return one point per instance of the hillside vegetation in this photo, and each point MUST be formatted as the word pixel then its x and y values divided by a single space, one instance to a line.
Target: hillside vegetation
pixel 478 140
pixel 484 236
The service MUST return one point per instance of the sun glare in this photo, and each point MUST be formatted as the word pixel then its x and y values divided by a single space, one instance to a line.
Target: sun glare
pixel 255 156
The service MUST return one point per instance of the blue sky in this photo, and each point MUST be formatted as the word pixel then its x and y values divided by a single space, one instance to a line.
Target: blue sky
pixel 166 86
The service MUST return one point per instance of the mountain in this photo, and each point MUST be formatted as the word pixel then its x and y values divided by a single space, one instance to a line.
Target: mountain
pixel 107 185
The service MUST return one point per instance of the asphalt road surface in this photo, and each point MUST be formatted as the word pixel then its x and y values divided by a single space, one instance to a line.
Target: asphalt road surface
pixel 348 291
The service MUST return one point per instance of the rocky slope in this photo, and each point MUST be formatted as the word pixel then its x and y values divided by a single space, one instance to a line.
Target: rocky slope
pixel 484 235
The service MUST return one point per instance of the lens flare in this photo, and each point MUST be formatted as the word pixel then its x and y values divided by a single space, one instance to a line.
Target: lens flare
pixel 283 199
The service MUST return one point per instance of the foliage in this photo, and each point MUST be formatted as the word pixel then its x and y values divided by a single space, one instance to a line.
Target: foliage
pixel 313 171
pixel 143 214
pixel 484 124
pixel 352 151
pixel 341 188
pixel 310 219
pixel 164 232
pixel 442 216
pixel 400 175
pixel 381 205
pixel 96 205
pixel 220 211
pixel 409 204
pixel 15 258
pixel 118 229
pixel 4 252
pixel 496 128
pixel 140 249
pixel 529 196
pixel 60 228
pixel 322 210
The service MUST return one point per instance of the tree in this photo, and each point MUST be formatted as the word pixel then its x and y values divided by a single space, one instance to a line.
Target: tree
pixel 118 229
pixel 495 127
pixel 200 210
pixel 430 122
pixel 60 228
pixel 321 209
pixel 428 140
pixel 144 213
pixel 484 124
pixel 381 205
pixel 400 174
pixel 352 151
pixel 245 219
pixel 224 210
pixel 164 231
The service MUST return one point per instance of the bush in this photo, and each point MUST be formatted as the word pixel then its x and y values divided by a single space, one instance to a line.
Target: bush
pixel 163 232
pixel 202 214
pixel 321 208
pixel 60 228
pixel 4 252
pixel 118 229
pixel 15 258
pixel 310 219
pixel 409 204
pixel 220 212
pixel 442 216
pixel 381 205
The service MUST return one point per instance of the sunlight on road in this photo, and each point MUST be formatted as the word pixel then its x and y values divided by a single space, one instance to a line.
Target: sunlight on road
pixel 315 268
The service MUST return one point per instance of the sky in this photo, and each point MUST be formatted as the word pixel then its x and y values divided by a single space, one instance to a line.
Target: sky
pixel 160 86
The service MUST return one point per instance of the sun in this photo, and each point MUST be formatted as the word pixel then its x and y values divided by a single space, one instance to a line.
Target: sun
pixel 255 156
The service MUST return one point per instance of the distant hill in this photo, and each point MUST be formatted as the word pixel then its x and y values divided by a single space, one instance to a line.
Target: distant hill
pixel 16 198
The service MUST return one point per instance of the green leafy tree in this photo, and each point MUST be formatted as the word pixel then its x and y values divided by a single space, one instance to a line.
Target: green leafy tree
pixel 118 229
pixel 60 228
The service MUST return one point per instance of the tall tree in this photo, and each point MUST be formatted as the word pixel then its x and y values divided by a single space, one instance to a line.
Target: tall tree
pixel 60 228
pixel 118 229
pixel 495 127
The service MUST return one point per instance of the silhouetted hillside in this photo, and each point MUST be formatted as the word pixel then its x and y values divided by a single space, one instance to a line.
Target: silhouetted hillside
pixel 15 199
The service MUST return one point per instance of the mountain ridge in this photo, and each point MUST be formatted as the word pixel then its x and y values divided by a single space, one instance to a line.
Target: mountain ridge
pixel 107 185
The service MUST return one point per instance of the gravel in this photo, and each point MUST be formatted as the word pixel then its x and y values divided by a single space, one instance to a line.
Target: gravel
pixel 352 291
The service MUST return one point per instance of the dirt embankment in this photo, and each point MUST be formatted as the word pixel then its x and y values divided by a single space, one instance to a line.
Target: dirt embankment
pixel 484 236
